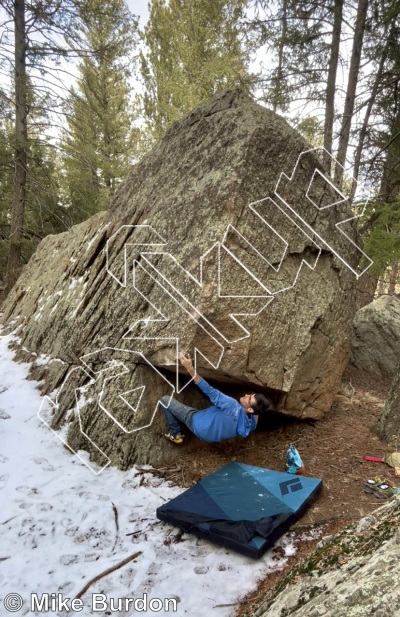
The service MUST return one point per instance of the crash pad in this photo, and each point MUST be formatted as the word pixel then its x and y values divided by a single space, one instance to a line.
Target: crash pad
pixel 242 507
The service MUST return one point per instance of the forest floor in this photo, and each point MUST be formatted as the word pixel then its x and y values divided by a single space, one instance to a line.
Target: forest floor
pixel 332 449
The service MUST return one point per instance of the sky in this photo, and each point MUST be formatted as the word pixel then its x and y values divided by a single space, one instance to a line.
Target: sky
pixel 139 7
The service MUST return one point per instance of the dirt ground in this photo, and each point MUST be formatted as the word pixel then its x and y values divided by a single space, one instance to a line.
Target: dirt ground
pixel 332 449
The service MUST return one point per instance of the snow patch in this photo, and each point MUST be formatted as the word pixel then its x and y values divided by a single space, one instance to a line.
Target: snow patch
pixel 61 525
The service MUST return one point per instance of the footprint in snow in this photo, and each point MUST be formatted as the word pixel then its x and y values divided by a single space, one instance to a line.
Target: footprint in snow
pixel 3 459
pixel 25 506
pixel 66 588
pixel 71 531
pixel 92 557
pixel 44 507
pixel 27 491
pixel 127 576
pixel 3 480
pixel 44 464
pixel 3 389
pixel 89 495
pixel 129 484
pixel 154 568
pixel 201 569
pixel 66 522
pixel 28 530
pixel 85 495
pixel 67 560
pixel 4 415
pixel 198 551
pixel 29 525
pixel 134 517
pixel 96 538
pixel 27 522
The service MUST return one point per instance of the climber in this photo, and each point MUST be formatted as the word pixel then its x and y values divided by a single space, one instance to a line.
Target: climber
pixel 224 419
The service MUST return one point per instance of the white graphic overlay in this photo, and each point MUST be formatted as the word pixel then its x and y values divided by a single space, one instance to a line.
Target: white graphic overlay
pixel 185 297
pixel 317 174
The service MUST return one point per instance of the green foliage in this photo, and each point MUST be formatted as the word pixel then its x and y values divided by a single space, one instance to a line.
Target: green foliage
pixel 383 236
pixel 299 37
pixel 100 141
pixel 312 130
pixel 295 36
pixel 6 188
pixel 382 243
pixel 193 50
pixel 34 38
pixel 43 213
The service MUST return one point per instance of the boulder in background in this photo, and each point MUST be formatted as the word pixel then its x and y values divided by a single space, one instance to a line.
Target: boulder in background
pixel 376 337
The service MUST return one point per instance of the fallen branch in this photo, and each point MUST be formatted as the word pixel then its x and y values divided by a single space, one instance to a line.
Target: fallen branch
pixel 116 525
pixel 106 572
pixel 134 533
pixel 137 533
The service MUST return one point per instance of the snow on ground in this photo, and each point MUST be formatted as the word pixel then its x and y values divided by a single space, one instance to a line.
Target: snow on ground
pixel 61 525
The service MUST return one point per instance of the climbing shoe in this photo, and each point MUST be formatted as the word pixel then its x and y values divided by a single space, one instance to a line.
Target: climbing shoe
pixel 174 438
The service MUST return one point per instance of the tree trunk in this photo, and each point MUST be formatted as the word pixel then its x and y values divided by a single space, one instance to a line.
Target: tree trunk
pixel 389 422
pixel 381 285
pixel 344 135
pixel 21 138
pixel 331 83
pixel 389 189
pixel 276 96
pixel 371 101
pixel 394 272
pixel 390 184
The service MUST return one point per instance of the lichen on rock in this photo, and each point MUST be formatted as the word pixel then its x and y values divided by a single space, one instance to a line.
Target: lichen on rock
pixel 352 574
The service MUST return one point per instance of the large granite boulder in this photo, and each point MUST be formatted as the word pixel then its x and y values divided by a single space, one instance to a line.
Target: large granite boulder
pixel 376 337
pixel 351 574
pixel 224 240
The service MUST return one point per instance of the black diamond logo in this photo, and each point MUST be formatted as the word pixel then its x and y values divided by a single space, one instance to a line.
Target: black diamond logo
pixel 291 486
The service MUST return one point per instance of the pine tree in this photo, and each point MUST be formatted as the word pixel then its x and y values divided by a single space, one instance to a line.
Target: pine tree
pixel 295 35
pixel 382 241
pixel 43 213
pixel 194 49
pixel 381 147
pixel 100 141
pixel 33 36
pixel 6 183
pixel 308 45
pixel 351 91
pixel 361 124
